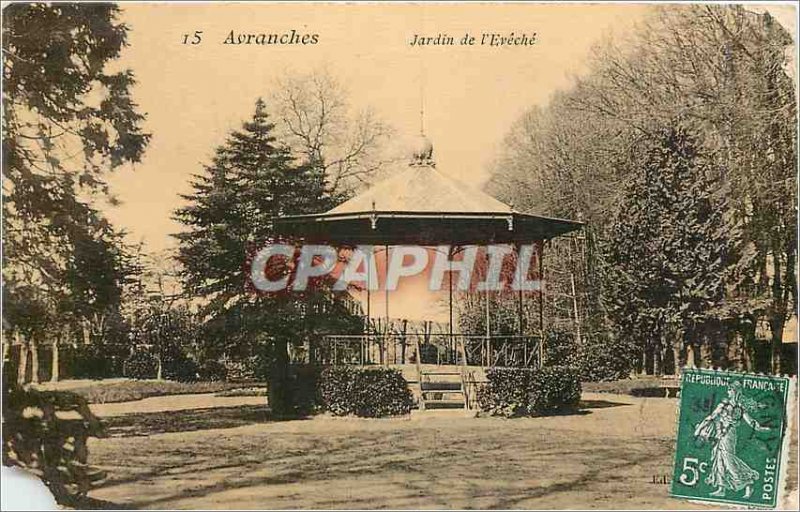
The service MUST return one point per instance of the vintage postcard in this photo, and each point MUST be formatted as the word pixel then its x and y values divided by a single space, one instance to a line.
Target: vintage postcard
pixel 401 255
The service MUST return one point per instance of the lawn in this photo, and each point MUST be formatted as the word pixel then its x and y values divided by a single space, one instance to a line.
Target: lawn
pixel 126 390
pixel 635 386
pixel 230 455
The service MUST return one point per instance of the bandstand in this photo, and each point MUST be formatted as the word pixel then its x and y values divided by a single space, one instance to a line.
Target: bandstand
pixel 422 206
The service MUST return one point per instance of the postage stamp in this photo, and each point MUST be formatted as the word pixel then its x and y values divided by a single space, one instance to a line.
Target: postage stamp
pixel 731 432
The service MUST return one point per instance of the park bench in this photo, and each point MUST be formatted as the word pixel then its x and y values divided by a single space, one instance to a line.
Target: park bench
pixel 671 384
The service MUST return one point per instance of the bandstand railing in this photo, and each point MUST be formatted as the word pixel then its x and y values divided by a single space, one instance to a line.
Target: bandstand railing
pixel 433 348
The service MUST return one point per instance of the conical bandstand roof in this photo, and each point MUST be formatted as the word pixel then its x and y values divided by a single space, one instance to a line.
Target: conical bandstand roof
pixel 422 189
pixel 422 206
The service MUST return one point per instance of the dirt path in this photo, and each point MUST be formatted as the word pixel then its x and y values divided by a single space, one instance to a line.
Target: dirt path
pixel 606 457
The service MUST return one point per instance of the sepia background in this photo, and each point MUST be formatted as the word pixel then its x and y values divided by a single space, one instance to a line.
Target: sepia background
pixel 669 130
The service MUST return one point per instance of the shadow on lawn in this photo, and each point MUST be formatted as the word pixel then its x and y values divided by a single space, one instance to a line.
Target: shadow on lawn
pixel 146 424
pixel 88 503
pixel 585 407
pixel 599 404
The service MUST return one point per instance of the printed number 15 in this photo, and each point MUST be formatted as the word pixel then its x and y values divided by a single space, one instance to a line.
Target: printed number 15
pixel 196 38
pixel 694 469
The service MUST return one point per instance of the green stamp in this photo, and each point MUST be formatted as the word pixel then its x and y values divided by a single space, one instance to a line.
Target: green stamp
pixel 731 431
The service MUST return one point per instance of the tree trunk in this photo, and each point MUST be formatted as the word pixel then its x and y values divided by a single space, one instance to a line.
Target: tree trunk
pixel 778 315
pixel 403 341
pixel 86 334
pixel 54 373
pixel 280 400
pixel 738 351
pixel 639 367
pixel 748 331
pixel 719 347
pixel 776 328
pixel 657 359
pixel 705 354
pixel 676 357
pixel 34 361
pixel 312 351
pixel 648 360
pixel 6 350
pixel 22 369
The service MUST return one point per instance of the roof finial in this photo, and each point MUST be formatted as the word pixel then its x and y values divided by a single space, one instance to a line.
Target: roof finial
pixel 422 152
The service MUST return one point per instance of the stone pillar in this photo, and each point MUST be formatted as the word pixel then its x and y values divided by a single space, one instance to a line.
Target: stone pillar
pixel 34 361
pixel 22 369
pixel 54 370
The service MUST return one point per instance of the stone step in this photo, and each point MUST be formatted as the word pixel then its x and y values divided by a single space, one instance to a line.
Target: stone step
pixel 443 395
pixel 441 378
pixel 444 404
pixel 441 386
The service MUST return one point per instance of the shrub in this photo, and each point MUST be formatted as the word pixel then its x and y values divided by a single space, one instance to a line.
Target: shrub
pixel 365 392
pixel 560 346
pixel 506 392
pixel 181 368
pixel 92 361
pixel 51 447
pixel 429 353
pixel 526 392
pixel 605 359
pixel 304 388
pixel 140 365
pixel 212 371
pixel 243 369
pixel 557 388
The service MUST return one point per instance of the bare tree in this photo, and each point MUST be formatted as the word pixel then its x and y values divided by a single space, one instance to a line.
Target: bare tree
pixel 717 69
pixel 316 118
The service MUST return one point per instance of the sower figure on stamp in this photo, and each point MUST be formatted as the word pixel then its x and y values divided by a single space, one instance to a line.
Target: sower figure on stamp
pixel 729 472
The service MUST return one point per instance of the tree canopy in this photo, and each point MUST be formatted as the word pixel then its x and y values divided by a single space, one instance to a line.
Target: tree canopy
pixel 67 123
pixel 715 74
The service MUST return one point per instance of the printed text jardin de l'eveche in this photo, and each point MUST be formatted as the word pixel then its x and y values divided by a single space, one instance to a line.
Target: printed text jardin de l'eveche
pixel 302 38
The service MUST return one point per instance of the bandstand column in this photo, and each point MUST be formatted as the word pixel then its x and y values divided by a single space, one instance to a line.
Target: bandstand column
pixel 384 348
pixel 367 328
pixel 541 301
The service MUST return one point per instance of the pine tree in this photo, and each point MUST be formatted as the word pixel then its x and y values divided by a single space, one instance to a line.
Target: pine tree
pixel 251 179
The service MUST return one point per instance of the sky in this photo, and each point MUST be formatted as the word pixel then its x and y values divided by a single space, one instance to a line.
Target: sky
pixel 194 95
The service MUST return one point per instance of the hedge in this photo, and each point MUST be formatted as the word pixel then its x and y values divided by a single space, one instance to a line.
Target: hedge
pixel 212 371
pixel 140 365
pixel 304 389
pixel 92 361
pixel 515 392
pixel 181 368
pixel 365 392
